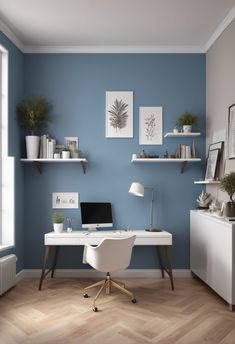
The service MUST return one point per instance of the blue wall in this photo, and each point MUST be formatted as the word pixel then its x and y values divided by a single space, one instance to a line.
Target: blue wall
pixel 76 85
pixel 16 92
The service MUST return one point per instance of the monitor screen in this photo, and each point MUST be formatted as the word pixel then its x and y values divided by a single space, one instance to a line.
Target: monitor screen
pixel 96 215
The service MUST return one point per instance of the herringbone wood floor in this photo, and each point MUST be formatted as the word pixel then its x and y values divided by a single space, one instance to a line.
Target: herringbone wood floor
pixel 192 314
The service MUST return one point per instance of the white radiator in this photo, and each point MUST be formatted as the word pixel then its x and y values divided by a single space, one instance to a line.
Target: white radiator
pixel 7 272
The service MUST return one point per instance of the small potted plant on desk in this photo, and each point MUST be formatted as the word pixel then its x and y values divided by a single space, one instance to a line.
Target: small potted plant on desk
pixel 33 115
pixel 58 222
pixel 186 121
pixel 228 185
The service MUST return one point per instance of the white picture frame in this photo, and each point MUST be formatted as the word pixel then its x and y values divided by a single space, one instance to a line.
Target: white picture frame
pixel 150 125
pixel 65 200
pixel 71 142
pixel 119 114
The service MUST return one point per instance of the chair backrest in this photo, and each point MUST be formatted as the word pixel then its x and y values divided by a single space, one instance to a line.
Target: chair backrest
pixel 112 254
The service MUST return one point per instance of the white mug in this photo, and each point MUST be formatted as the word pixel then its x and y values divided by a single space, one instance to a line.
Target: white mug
pixel 65 154
pixel 56 155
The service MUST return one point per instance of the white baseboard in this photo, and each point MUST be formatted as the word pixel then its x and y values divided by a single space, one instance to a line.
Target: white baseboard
pixel 130 273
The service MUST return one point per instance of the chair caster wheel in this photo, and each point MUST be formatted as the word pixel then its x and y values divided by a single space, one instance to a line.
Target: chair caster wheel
pixel 85 295
pixel 133 300
pixel 95 309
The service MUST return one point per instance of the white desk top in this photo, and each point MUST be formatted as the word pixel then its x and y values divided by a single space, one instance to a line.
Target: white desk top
pixel 93 238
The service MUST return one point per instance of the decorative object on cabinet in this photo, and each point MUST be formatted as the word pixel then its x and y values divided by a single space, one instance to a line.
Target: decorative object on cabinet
pixel 228 185
pixel 150 125
pixel 231 132
pixel 212 164
pixel 186 121
pixel 204 200
pixel 156 160
pixel 38 162
pixel 58 222
pixel 137 189
pixel 62 200
pixel 119 114
pixel 33 115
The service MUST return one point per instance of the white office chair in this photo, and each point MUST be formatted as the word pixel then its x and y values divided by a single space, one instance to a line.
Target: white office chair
pixel 112 254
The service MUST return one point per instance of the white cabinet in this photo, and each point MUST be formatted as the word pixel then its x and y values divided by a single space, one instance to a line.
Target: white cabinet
pixel 212 245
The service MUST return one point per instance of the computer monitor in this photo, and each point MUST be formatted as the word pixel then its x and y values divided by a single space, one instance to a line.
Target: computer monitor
pixel 96 215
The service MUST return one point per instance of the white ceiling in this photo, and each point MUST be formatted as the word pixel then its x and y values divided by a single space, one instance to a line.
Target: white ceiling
pixel 151 25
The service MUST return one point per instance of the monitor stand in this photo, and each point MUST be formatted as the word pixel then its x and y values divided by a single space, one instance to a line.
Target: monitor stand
pixel 92 229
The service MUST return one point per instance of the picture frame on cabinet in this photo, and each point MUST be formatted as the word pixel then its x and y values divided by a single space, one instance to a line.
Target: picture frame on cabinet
pixel 212 164
pixel 150 125
pixel 119 114
pixel 231 132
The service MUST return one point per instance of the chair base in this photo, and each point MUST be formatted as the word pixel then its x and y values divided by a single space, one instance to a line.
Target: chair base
pixel 107 284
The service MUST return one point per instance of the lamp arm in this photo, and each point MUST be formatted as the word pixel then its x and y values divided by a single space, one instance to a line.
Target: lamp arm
pixel 151 206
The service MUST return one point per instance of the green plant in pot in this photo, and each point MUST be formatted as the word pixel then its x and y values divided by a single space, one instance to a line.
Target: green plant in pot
pixel 186 121
pixel 33 115
pixel 228 185
pixel 58 222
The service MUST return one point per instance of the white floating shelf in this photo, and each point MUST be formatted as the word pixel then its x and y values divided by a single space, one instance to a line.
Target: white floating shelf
pixel 143 160
pixel 182 134
pixel 39 162
pixel 174 160
pixel 207 182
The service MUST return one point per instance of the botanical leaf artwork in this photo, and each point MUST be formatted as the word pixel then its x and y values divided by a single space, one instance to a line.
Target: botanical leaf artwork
pixel 118 114
pixel 150 127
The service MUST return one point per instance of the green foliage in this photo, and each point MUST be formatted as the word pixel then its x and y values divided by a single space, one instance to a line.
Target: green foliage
pixel 33 113
pixel 57 218
pixel 186 119
pixel 228 184
pixel 118 114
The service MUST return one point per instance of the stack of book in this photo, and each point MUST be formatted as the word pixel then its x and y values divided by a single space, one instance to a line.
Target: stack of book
pixel 47 147
pixel 183 152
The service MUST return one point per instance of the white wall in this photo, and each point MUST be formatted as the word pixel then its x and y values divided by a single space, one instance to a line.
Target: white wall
pixel 220 91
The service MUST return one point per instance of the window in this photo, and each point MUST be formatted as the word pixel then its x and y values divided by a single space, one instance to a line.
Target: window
pixel 7 168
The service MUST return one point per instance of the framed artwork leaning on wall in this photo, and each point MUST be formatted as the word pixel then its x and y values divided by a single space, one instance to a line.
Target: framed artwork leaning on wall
pixel 231 132
pixel 212 163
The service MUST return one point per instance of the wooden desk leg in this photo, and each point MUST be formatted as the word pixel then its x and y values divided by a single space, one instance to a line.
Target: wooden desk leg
pixel 160 261
pixel 55 261
pixel 168 256
pixel 45 259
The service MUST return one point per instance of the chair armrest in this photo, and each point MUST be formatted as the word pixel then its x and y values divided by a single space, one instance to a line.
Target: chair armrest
pixel 86 248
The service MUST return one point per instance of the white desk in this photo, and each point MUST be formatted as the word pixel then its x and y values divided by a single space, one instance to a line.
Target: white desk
pixel 77 238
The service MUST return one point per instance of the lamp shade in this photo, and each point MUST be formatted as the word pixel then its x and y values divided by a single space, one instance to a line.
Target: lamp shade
pixel 137 189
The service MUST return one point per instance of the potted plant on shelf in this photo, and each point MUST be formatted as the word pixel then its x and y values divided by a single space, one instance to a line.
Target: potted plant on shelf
pixel 58 222
pixel 186 120
pixel 228 185
pixel 33 115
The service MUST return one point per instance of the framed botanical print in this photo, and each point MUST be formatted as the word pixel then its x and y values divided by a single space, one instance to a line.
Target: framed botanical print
pixel 150 125
pixel 119 114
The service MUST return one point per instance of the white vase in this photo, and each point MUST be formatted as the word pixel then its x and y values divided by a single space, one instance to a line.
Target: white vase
pixel 58 227
pixel 187 128
pixel 32 146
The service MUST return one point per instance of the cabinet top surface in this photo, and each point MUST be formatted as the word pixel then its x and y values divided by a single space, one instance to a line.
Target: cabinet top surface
pixel 213 217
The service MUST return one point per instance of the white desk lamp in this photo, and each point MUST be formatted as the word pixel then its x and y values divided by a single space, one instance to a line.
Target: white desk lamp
pixel 137 189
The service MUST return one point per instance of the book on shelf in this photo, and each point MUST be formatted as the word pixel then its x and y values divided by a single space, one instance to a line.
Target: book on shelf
pixel 47 147
pixel 183 152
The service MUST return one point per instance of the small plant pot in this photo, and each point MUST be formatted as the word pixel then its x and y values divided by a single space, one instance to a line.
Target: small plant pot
pixel 187 128
pixel 32 146
pixel 229 210
pixel 58 227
